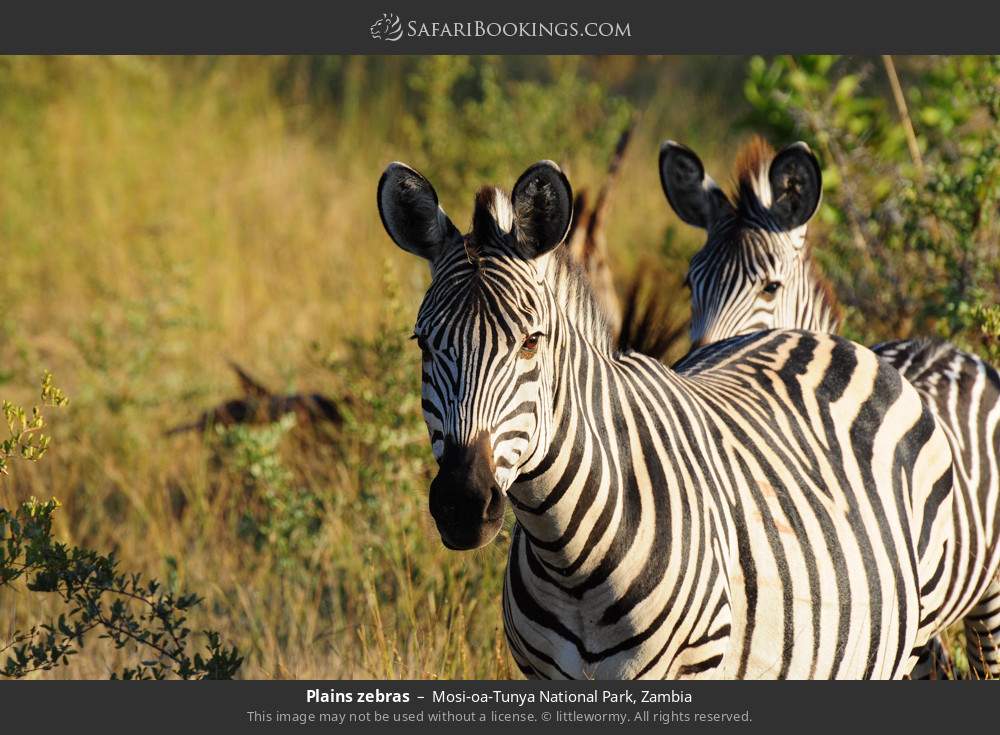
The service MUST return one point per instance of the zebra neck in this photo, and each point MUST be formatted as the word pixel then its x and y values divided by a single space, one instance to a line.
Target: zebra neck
pixel 602 484
pixel 817 309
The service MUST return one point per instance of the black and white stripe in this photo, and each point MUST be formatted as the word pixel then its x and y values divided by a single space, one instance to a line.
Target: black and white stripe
pixel 777 507
pixel 757 240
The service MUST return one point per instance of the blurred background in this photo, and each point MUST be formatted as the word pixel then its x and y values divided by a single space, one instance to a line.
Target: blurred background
pixel 176 233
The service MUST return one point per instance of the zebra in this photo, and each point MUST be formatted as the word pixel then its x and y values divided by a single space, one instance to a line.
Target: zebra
pixel 756 272
pixel 781 509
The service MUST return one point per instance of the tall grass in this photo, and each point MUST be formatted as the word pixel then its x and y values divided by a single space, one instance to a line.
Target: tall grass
pixel 160 215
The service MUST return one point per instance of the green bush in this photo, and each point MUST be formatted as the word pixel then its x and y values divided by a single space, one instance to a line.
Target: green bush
pixel 279 512
pixel 95 593
pixel 26 441
pixel 909 232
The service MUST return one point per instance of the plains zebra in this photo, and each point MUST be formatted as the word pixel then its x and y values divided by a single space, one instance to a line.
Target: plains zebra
pixel 756 272
pixel 779 509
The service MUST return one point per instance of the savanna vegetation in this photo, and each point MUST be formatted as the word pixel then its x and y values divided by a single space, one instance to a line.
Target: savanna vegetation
pixel 160 216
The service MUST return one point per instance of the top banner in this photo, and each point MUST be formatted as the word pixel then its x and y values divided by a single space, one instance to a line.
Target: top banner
pixel 514 27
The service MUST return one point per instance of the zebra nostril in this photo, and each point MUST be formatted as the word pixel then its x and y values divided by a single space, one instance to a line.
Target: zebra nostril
pixel 495 507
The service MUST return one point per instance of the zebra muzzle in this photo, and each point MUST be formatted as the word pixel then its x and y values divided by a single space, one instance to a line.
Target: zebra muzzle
pixel 465 500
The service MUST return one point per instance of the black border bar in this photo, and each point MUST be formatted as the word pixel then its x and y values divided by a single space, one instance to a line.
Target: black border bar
pixel 336 26
pixel 487 707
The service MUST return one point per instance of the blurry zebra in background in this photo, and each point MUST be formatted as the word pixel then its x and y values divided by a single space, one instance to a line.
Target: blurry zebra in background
pixel 757 272
pixel 642 318
pixel 781 508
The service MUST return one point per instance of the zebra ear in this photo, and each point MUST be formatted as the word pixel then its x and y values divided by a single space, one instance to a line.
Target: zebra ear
pixel 543 207
pixel 694 196
pixel 408 206
pixel 796 186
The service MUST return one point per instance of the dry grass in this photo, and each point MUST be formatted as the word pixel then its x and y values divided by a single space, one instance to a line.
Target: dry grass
pixel 157 218
pixel 160 215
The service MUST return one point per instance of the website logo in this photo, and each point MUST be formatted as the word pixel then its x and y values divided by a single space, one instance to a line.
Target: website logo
pixel 390 28
pixel 387 28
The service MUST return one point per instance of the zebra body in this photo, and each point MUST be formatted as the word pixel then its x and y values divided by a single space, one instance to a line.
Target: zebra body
pixel 778 507
pixel 756 272
pixel 760 577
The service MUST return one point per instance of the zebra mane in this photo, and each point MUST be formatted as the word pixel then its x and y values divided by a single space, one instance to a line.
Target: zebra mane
pixel 752 194
pixel 752 187
pixel 825 295
pixel 495 202
pixel 492 218
pixel 575 292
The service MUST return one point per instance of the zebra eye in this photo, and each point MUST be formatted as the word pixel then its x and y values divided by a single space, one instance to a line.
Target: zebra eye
pixel 772 288
pixel 530 345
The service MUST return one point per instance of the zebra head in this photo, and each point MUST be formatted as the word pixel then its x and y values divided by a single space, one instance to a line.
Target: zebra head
pixel 755 271
pixel 485 330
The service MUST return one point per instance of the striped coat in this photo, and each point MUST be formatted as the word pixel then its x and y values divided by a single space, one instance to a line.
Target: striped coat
pixel 778 507
pixel 756 272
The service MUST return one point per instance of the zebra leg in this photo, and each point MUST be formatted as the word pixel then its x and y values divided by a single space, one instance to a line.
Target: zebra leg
pixel 933 662
pixel 982 634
